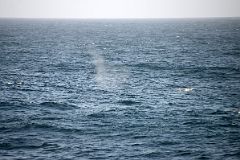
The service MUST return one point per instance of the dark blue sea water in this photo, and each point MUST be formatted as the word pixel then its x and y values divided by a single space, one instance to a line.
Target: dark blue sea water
pixel 120 89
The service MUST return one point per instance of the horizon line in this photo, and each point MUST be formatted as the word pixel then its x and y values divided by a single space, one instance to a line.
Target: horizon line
pixel 122 18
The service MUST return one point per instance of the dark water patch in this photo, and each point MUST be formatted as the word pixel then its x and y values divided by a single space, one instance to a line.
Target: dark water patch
pixel 153 155
pixel 129 102
pixel 233 52
pixel 194 113
pixel 129 95
pixel 167 142
pixel 49 118
pixel 150 66
pixel 203 157
pixel 16 125
pixel 140 136
pixel 13 118
pixel 235 154
pixel 210 112
pixel 68 67
pixel 98 115
pixel 9 43
pixel 6 104
pixel 181 153
pixel 44 127
pixel 14 105
pixel 30 90
pixel 106 115
pixel 57 106
pixel 232 125
pixel 196 122
pixel 217 112
pixel 24 143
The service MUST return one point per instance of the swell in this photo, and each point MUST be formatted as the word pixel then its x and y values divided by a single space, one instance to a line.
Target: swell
pixel 13 105
pixel 165 66
pixel 41 126
pixel 128 102
pixel 193 71
pixel 25 143
pixel 48 104
pixel 57 105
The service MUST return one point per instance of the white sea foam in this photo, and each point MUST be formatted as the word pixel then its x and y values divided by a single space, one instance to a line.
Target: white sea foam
pixel 185 89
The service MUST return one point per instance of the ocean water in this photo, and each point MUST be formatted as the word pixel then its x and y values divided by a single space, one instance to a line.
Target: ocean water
pixel 120 89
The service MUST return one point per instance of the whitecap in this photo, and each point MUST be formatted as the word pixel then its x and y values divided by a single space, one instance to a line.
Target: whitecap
pixel 185 89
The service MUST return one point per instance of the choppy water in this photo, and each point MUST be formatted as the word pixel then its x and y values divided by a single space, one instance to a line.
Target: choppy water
pixel 120 89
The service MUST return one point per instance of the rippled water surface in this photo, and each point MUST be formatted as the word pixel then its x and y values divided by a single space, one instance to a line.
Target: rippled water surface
pixel 120 89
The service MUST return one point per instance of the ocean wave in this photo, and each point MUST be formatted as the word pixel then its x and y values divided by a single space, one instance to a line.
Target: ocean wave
pixel 151 66
pixel 13 105
pixel 128 102
pixel 6 104
pixel 57 105
pixel 39 125
pixel 25 143
pixel 97 115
